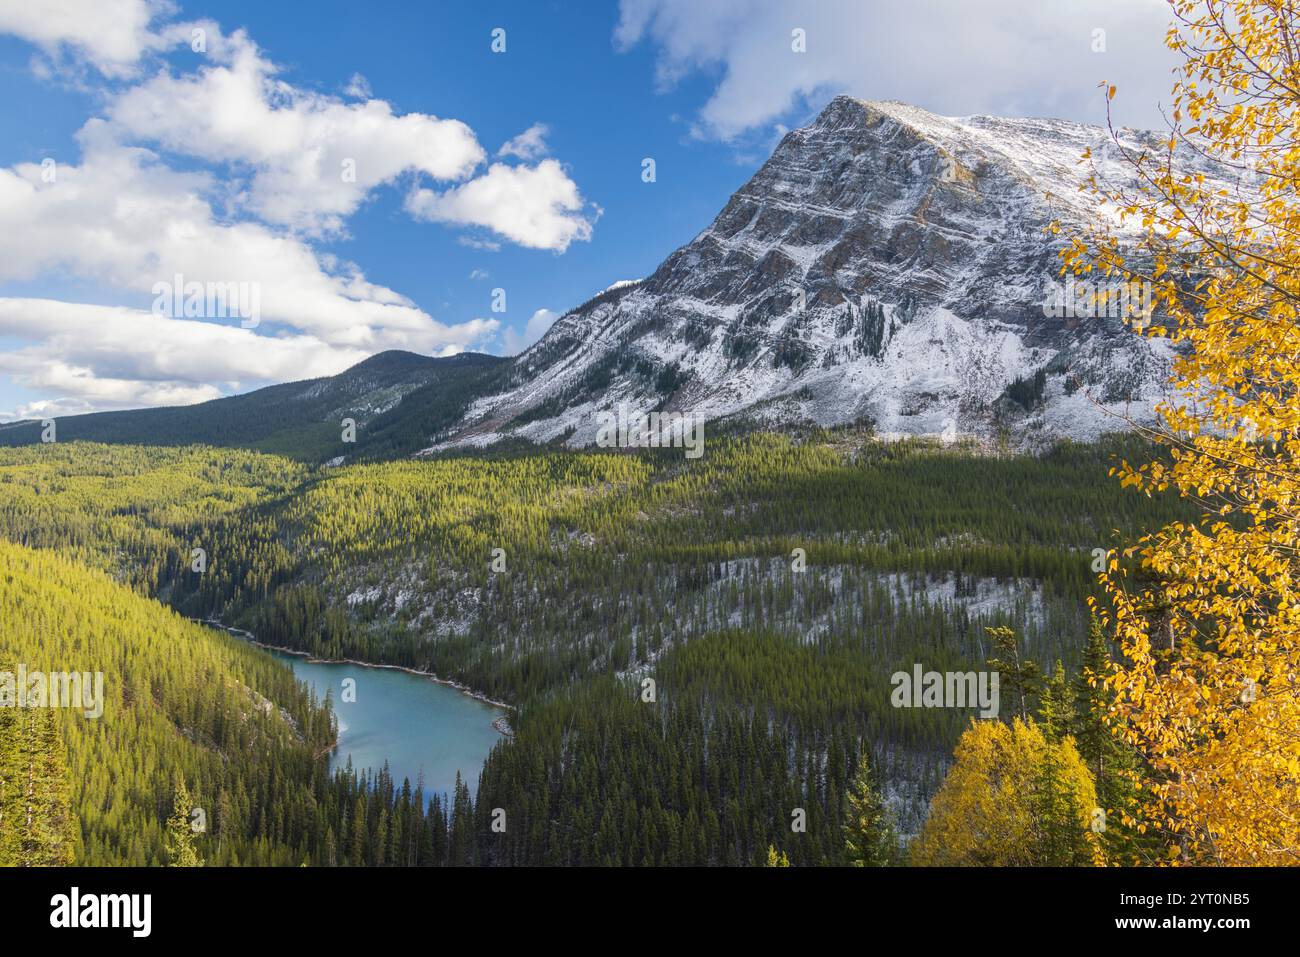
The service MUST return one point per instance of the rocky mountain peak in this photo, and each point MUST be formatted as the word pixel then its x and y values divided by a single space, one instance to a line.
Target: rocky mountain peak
pixel 886 264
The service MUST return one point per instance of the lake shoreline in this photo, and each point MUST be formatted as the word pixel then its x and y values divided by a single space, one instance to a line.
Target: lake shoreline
pixel 501 723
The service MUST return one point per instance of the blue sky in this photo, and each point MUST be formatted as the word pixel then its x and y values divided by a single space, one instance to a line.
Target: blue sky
pixel 233 150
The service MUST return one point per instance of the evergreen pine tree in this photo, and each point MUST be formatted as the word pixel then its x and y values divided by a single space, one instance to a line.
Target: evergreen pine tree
pixel 1056 706
pixel 1114 767
pixel 1019 678
pixel 1061 833
pixel 869 837
pixel 461 850
pixel 180 835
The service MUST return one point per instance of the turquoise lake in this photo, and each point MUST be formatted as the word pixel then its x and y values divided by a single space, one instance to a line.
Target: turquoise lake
pixel 418 726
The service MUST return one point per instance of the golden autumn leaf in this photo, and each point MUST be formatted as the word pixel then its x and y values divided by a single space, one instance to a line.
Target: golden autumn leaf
pixel 1210 632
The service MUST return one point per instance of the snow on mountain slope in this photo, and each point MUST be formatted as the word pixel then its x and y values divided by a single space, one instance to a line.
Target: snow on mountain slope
pixel 885 263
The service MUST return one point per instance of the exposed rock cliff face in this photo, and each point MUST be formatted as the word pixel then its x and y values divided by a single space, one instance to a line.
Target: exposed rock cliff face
pixel 885 263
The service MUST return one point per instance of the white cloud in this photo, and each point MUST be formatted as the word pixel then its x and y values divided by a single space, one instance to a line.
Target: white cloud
pixel 528 145
pixel 111 34
pixel 538 324
pixel 109 357
pixel 303 160
pixel 313 158
pixel 123 219
pixel 537 206
pixel 358 87
pixel 478 274
pixel 1007 57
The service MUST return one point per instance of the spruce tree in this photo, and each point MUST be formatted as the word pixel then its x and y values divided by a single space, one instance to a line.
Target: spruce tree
pixel 461 850
pixel 1097 744
pixel 1019 678
pixel 1114 766
pixel 1060 830
pixel 1056 706
pixel 869 837
pixel 181 851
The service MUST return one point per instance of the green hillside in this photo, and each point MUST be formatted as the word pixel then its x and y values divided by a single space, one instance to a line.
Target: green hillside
pixel 207 750
pixel 180 702
pixel 398 399
pixel 769 589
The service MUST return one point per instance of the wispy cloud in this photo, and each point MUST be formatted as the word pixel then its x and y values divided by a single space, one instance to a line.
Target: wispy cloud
pixel 537 326
pixel 1007 57
pixel 528 145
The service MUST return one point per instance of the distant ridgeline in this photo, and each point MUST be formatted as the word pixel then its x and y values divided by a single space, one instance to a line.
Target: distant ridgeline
pixel 397 400
pixel 766 591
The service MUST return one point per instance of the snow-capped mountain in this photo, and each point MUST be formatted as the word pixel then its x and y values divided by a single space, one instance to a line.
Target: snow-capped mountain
pixel 885 264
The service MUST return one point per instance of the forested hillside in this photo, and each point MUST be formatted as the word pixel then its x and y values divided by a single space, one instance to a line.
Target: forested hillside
pixel 398 399
pixel 207 750
pixel 768 590
pixel 37 826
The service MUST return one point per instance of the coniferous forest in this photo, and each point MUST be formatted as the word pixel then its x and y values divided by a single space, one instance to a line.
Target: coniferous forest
pixel 697 653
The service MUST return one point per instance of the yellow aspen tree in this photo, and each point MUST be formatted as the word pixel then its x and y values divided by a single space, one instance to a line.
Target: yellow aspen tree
pixel 1012 798
pixel 1207 611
